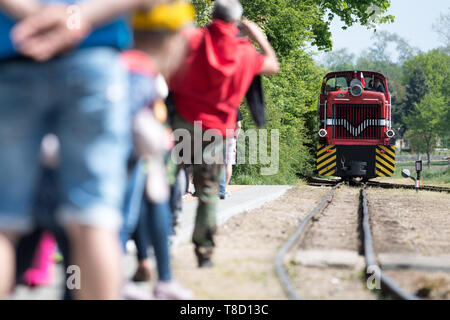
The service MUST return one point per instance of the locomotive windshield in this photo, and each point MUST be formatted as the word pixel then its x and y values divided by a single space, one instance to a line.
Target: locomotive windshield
pixel 371 82
pixel 336 83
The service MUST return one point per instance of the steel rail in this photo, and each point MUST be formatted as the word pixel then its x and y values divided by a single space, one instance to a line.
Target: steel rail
pixel 279 266
pixel 383 185
pixel 369 253
pixel 386 185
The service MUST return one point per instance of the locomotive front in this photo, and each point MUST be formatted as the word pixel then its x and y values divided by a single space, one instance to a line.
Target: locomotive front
pixel 355 135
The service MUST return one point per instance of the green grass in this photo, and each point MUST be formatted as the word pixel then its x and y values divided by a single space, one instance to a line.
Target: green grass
pixel 433 163
pixel 434 153
pixel 437 174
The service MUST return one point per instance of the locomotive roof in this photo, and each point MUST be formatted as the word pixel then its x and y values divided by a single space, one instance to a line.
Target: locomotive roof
pixel 341 73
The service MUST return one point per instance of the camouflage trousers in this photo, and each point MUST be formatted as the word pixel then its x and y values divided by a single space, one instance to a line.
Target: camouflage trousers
pixel 206 173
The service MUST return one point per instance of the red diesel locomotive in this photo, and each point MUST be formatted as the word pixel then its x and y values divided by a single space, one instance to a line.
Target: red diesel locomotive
pixel 355 135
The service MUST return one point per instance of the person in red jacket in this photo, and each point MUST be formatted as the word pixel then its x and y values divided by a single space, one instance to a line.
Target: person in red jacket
pixel 207 92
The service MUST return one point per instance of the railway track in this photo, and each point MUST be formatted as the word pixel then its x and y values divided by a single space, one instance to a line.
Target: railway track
pixel 387 284
pixel 383 185
pixel 369 253
pixel 386 185
pixel 279 265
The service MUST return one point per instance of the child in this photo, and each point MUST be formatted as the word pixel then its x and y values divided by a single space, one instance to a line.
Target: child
pixel 147 211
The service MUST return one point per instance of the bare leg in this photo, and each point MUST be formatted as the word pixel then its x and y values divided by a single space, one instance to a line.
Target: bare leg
pixel 97 252
pixel 229 172
pixel 7 264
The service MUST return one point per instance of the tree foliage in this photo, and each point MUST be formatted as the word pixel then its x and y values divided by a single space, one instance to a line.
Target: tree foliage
pixel 290 24
pixel 426 123
pixel 442 28
pixel 428 76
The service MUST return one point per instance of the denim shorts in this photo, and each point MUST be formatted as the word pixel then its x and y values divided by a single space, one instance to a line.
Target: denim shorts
pixel 87 91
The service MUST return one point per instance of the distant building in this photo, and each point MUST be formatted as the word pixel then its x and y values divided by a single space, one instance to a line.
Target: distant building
pixel 401 144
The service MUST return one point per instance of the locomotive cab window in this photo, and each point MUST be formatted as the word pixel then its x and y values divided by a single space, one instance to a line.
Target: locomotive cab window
pixel 336 83
pixel 376 85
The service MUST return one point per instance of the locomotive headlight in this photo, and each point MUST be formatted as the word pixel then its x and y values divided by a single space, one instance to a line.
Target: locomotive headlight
pixel 390 133
pixel 356 88
pixel 322 133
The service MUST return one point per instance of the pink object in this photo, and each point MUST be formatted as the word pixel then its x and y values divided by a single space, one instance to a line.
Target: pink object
pixel 41 272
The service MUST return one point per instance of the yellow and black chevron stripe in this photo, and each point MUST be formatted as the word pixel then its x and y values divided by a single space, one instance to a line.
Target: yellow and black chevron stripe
pixel 326 160
pixel 385 161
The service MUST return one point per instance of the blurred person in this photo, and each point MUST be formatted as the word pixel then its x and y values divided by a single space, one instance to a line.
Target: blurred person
pixel 230 158
pixel 376 85
pixel 35 252
pixel 178 192
pixel 209 88
pixel 159 52
pixel 56 58
pixel 42 269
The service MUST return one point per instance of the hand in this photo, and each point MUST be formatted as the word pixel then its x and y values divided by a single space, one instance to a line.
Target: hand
pixel 271 64
pixel 251 30
pixel 46 33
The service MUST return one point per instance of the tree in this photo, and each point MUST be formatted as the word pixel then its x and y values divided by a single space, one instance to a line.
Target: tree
pixel 289 24
pixel 442 28
pixel 425 123
pixel 416 89
pixel 428 73
pixel 435 65
pixel 339 60
pixel 203 11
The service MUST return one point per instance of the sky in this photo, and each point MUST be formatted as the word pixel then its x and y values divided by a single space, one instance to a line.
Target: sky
pixel 413 22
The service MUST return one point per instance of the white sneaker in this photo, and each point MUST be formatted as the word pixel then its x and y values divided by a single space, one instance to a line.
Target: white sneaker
pixel 171 290
pixel 131 291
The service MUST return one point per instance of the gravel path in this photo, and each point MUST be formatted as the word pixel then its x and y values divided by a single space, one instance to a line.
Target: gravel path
pixel 404 221
pixel 336 228
pixel 417 224
pixel 245 250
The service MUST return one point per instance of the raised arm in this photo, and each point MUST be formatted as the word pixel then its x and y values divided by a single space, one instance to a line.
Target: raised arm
pixel 271 65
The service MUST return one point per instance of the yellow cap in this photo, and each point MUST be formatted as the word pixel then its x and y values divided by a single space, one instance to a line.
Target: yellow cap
pixel 170 16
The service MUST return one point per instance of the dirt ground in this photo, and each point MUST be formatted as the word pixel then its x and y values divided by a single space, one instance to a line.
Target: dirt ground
pixel 247 244
pixel 330 283
pixel 245 250
pixel 414 223
pixel 335 228
pixel 404 221
pixel 425 285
